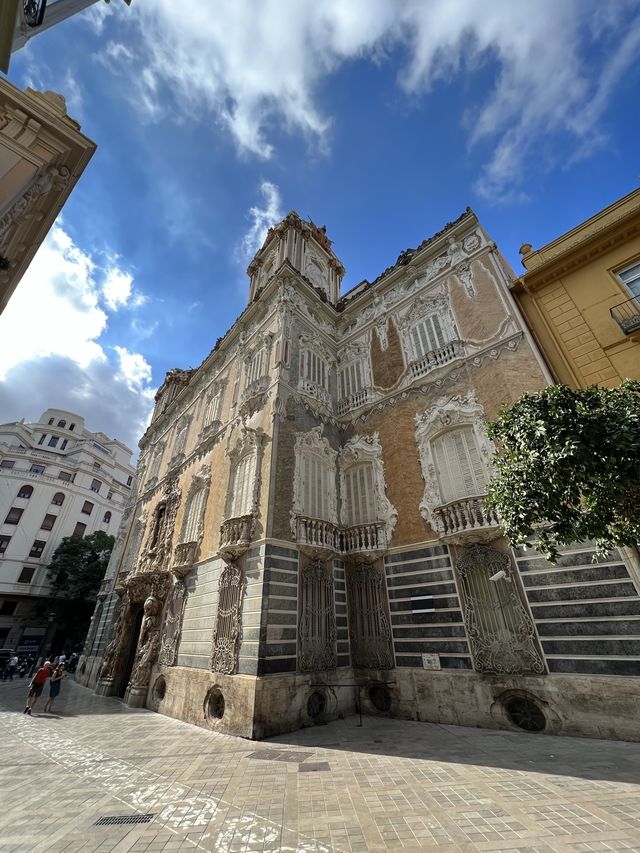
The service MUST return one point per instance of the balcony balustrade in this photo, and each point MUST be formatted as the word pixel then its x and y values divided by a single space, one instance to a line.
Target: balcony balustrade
pixel 315 537
pixel 627 315
pixel 235 536
pixel 436 358
pixel 354 401
pixel 184 556
pixel 466 519
pixel 312 389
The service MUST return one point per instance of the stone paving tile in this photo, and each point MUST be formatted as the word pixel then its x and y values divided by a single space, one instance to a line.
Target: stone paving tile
pixel 390 785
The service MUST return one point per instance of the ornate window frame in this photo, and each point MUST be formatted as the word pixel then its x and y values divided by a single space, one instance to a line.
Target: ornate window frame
pixel 212 410
pixel 250 443
pixel 423 309
pixel 348 357
pixel 192 529
pixel 367 448
pixel 316 387
pixel 447 413
pixel 313 443
pixel 180 439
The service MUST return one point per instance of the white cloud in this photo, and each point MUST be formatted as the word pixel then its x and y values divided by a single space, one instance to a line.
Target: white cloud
pixel 262 218
pixel 253 64
pixel 117 287
pixel 51 352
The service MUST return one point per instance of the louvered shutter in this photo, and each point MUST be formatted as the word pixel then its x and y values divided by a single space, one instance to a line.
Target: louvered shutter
pixel 459 465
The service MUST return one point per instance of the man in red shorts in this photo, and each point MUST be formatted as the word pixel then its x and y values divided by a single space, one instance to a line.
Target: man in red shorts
pixel 37 685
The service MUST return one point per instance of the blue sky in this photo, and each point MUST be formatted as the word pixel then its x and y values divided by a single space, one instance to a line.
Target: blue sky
pixel 382 119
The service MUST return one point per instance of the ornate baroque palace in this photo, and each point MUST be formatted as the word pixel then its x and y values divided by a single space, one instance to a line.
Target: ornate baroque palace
pixel 309 535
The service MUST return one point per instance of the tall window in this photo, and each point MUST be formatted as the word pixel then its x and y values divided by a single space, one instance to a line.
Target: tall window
pixel 213 409
pixel 315 477
pixel 37 469
pixel 313 368
pixel 351 379
pixel 53 441
pixel 51 420
pixel 359 498
pixel 459 466
pixel 257 366
pixel 193 521
pixel 14 515
pixel 107 517
pixel 62 424
pixel 4 541
pixel 95 485
pixel 66 476
pixel 8 608
pixel 7 463
pixel 79 529
pixel 48 521
pixel 26 575
pixel 58 499
pixel 42 438
pixel 427 335
pixel 180 439
pixel 64 444
pixel 243 482
pixel 87 506
pixel 630 277
pixel 25 491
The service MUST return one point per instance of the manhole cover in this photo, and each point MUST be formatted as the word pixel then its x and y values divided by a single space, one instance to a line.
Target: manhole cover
pixel 112 820
pixel 313 766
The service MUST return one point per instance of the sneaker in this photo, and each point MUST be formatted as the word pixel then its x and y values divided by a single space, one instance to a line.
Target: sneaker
pixel 29 711
pixel 25 710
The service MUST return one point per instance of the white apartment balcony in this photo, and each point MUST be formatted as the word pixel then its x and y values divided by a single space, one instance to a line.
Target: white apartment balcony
pixel 436 358
pixel 354 401
pixel 466 520
pixel 235 536
pixel 317 537
pixel 316 391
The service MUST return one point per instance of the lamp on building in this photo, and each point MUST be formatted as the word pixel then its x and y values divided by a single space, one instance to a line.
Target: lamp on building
pixel 33 12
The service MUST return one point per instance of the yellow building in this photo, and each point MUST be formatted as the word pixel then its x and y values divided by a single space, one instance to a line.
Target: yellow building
pixel 580 296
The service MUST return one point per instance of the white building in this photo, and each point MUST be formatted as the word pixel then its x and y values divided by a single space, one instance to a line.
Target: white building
pixel 57 479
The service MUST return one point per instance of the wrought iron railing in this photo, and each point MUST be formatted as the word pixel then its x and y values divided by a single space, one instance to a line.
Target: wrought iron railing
pixel 627 315
pixel 354 401
pixel 466 515
pixel 436 358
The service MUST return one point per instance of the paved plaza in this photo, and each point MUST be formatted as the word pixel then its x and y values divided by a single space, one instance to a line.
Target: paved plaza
pixel 390 785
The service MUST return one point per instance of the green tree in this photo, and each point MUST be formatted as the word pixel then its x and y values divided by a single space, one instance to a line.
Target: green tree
pixel 568 468
pixel 76 570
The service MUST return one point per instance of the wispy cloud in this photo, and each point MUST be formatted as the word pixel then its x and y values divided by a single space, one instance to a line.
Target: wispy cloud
pixel 253 64
pixel 261 219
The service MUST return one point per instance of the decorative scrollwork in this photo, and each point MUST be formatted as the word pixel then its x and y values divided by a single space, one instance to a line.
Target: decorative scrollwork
pixel 317 628
pixel 172 625
pixel 369 627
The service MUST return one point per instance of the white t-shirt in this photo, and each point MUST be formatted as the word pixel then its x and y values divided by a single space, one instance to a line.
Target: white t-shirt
pixel 62 658
pixel 14 661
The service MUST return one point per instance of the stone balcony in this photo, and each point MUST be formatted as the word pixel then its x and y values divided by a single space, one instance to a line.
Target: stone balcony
pixel 312 389
pixel 466 520
pixel 316 537
pixel 354 401
pixel 184 556
pixel 255 389
pixel 235 536
pixel 436 358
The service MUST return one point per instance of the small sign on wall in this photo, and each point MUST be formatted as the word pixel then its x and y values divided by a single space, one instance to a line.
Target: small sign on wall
pixel 431 661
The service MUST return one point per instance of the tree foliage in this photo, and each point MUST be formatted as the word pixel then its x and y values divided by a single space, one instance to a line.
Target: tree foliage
pixel 568 467
pixel 76 570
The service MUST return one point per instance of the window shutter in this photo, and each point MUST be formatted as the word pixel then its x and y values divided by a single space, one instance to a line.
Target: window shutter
pixel 459 464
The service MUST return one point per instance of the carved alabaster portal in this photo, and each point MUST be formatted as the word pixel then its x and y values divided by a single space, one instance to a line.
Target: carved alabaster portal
pixel 228 628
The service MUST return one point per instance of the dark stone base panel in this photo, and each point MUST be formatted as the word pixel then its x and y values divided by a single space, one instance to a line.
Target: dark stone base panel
pixel 279 618
pixel 424 607
pixel 342 617
pixel 570 603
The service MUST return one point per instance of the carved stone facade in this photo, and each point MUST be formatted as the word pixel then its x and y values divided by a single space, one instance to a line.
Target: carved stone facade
pixel 322 527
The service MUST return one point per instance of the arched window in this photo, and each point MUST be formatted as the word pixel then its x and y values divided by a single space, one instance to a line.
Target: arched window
pixel 62 424
pixel 25 491
pixel 314 490
pixel 242 489
pixel 58 499
pixel 107 517
pixel 359 497
pixel 193 524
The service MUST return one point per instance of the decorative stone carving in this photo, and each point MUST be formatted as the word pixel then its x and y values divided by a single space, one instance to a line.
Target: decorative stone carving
pixel 317 627
pixel 172 629
pixel 448 413
pixel 500 631
pixel 193 521
pixel 367 448
pixel 121 632
pixel 52 178
pixel 226 638
pixel 421 308
pixel 148 644
pixel 369 627
pixel 465 274
pixel 158 547
pixel 289 294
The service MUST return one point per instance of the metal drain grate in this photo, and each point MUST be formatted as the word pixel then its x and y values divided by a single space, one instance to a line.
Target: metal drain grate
pixel 113 820
pixel 313 767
